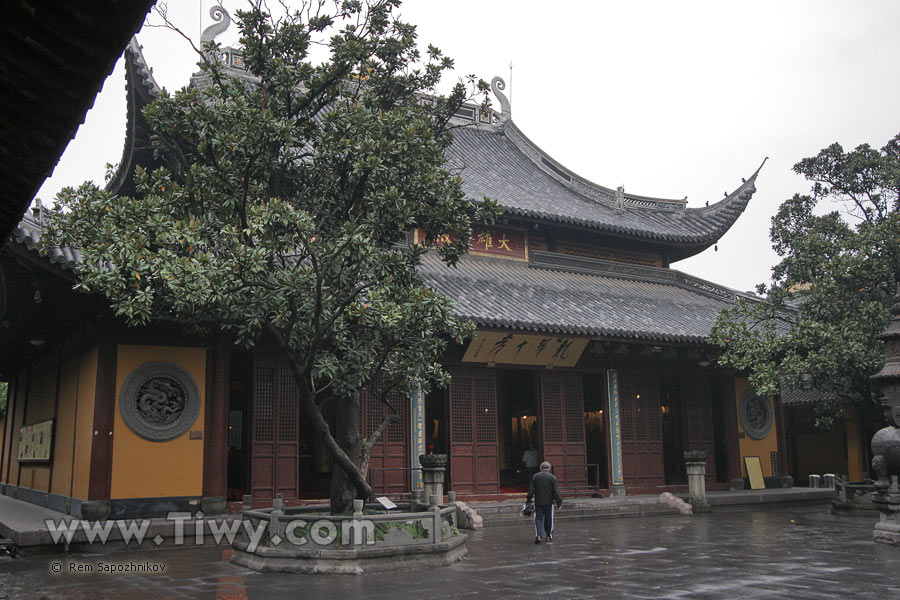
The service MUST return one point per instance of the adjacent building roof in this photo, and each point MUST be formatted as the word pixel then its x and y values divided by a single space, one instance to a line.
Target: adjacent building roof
pixel 501 163
pixel 54 57
pixel 564 294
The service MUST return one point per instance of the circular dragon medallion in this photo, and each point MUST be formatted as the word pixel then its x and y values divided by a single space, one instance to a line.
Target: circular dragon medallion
pixel 756 415
pixel 159 401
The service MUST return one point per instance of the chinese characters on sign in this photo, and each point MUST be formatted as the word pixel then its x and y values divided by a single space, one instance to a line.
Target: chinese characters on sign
pixel 615 439
pixel 36 442
pixel 525 349
pixel 417 412
pixel 502 242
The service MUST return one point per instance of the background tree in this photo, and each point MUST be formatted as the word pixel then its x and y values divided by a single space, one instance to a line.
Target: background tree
pixel 830 295
pixel 281 208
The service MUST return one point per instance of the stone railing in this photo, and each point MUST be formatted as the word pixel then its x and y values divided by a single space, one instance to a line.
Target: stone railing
pixel 410 524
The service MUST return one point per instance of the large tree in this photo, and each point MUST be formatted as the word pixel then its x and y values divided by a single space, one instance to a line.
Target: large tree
pixel 830 295
pixel 282 208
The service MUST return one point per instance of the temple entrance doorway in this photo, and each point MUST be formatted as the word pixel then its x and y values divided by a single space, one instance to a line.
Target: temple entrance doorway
pixel 519 428
pixel 596 440
pixel 671 414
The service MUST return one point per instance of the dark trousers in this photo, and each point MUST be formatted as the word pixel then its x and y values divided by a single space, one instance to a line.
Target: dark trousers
pixel 543 519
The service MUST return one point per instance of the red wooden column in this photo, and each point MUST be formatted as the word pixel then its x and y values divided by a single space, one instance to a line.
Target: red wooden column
pixel 100 481
pixel 215 443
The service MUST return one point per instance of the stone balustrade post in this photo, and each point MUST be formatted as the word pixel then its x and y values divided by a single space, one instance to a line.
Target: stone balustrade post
pixel 695 461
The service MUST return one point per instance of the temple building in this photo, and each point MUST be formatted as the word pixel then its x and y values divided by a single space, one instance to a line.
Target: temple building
pixel 591 349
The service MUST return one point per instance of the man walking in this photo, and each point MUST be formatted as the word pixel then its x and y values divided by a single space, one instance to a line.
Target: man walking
pixel 544 489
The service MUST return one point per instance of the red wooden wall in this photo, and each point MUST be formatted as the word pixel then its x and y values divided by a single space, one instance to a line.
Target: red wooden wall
pixel 474 451
pixel 562 422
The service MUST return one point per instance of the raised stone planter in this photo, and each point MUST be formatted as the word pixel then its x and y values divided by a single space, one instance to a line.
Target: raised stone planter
pixel 307 540
pixel 95 510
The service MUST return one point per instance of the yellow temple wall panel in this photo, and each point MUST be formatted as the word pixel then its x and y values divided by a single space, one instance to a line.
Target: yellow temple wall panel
pixel 84 426
pixel 748 446
pixel 64 431
pixel 146 469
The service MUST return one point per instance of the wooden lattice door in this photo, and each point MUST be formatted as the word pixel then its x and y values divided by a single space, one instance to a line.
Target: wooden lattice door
pixel 641 428
pixel 389 458
pixel 275 438
pixel 700 421
pixel 474 451
pixel 562 424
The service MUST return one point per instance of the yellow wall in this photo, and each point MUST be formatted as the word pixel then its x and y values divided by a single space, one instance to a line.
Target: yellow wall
pixel 39 407
pixel 74 426
pixel 64 431
pixel 84 431
pixel 749 446
pixel 142 468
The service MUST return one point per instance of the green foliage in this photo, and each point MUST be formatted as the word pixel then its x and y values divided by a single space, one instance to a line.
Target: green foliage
pixel 830 295
pixel 415 529
pixel 4 390
pixel 282 201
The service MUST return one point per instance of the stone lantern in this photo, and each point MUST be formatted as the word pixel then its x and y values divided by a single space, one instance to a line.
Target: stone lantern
pixel 886 441
pixel 433 467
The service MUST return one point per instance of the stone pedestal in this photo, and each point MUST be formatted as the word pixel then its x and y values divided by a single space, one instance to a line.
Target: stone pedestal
pixel 887 530
pixel 695 461
pixel 433 467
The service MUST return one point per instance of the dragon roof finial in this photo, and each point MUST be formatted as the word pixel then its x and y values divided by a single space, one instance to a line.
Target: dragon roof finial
pixel 497 85
pixel 222 21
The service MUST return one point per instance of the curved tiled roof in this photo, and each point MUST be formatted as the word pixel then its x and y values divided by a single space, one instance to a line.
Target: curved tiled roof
pixel 28 233
pixel 498 161
pixel 502 164
pixel 140 90
pixel 576 296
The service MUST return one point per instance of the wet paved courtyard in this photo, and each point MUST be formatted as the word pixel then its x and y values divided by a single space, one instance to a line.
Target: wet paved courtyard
pixel 792 553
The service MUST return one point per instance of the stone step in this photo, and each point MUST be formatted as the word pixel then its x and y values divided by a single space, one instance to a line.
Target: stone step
pixel 505 515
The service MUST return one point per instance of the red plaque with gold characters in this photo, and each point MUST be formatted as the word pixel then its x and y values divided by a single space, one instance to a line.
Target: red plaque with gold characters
pixel 500 242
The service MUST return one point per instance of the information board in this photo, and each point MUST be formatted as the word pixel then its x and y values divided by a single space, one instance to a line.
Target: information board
pixel 36 442
pixel 754 472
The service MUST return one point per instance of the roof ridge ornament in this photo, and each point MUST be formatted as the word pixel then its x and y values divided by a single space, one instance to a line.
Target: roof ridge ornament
pixel 222 21
pixel 497 85
pixel 620 199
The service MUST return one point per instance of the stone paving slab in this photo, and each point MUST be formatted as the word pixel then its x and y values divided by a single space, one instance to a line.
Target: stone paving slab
pixel 794 552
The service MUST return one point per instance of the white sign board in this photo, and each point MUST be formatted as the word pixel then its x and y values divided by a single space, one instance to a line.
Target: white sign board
pixel 385 502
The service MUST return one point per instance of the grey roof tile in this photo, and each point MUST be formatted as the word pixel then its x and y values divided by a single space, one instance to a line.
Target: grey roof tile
pixel 517 295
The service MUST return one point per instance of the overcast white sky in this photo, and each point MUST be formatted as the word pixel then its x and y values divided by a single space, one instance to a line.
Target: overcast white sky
pixel 668 98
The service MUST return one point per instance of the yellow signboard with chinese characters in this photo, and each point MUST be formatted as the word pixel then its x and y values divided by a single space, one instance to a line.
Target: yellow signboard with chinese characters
pixel 36 442
pixel 525 349
pixel 499 242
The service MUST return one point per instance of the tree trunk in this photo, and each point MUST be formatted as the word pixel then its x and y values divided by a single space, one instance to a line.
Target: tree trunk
pixel 346 434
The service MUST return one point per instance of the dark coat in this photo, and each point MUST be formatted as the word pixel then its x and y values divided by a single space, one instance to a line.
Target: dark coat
pixel 544 489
